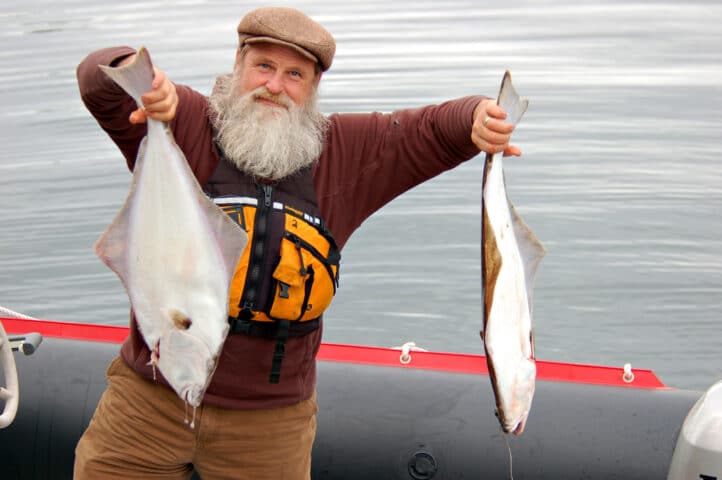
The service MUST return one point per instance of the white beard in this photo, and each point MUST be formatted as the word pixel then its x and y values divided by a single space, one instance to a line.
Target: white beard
pixel 265 141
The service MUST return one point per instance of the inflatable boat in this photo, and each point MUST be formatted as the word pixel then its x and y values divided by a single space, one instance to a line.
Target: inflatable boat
pixel 394 414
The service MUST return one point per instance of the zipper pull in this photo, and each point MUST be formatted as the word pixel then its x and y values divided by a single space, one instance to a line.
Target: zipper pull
pixel 267 191
pixel 300 257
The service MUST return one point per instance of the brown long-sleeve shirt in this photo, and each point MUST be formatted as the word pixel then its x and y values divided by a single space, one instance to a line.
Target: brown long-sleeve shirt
pixel 367 160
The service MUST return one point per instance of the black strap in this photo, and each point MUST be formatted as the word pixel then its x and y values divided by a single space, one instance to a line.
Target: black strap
pixel 243 326
pixel 280 351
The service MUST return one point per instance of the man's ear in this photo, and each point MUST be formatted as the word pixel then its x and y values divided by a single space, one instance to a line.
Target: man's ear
pixel 318 79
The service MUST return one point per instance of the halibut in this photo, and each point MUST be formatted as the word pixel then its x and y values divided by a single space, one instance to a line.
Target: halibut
pixel 510 254
pixel 175 252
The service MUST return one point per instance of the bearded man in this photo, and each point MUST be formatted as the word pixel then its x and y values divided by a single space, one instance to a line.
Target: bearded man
pixel 299 183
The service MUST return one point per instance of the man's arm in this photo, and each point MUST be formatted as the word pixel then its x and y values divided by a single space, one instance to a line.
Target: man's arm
pixel 372 158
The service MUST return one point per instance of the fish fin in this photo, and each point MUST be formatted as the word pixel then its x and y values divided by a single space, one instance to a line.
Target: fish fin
pixel 231 238
pixel 530 248
pixel 136 78
pixel 112 245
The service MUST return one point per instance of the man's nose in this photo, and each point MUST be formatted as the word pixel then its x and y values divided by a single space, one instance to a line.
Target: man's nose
pixel 275 84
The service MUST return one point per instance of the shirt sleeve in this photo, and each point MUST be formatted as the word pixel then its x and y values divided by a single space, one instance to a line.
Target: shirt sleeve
pixel 372 158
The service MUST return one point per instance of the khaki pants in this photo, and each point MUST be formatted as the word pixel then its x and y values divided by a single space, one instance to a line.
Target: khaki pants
pixel 138 432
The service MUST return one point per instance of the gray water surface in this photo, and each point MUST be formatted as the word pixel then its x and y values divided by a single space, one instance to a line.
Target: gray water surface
pixel 621 175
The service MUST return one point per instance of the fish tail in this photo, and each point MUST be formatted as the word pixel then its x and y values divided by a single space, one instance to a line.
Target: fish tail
pixel 136 78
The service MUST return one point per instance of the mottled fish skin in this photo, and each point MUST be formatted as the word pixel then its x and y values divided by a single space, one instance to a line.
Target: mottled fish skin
pixel 510 257
pixel 175 252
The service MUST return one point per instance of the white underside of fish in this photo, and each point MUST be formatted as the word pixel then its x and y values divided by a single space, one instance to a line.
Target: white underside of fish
pixel 175 252
pixel 510 256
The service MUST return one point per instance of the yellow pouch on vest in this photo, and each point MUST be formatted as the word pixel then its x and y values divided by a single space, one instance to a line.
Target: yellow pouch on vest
pixel 306 273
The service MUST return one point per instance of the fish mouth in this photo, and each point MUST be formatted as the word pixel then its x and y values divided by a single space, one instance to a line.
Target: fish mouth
pixel 519 428
pixel 516 428
pixel 510 425
pixel 192 395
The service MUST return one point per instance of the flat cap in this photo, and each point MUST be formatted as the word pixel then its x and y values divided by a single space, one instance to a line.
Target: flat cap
pixel 291 28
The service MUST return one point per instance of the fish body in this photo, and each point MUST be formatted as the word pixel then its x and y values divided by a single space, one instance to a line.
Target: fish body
pixel 175 252
pixel 510 256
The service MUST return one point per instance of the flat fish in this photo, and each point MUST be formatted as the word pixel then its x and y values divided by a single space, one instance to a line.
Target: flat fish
pixel 510 255
pixel 175 252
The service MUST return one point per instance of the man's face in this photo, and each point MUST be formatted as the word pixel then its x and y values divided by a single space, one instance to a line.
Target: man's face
pixel 267 119
pixel 281 70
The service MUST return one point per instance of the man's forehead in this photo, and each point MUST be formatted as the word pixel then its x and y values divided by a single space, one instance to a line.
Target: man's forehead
pixel 279 54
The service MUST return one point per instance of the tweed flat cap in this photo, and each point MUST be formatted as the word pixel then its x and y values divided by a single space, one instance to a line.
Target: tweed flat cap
pixel 291 28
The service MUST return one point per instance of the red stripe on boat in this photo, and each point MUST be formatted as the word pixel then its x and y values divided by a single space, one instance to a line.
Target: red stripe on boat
pixel 67 330
pixel 446 362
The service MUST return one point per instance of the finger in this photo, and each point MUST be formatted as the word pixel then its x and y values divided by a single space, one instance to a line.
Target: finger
pixel 485 119
pixel 158 77
pixel 512 151
pixel 489 103
pixel 160 87
pixel 164 115
pixel 156 95
pixel 495 111
pixel 164 104
pixel 161 103
pixel 497 126
pixel 495 131
pixel 496 138
pixel 487 146
pixel 138 117
pixel 164 109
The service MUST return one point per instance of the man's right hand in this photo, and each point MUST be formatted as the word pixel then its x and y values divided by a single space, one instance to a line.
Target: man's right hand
pixel 160 103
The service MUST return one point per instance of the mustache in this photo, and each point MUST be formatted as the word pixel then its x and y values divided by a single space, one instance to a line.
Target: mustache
pixel 261 93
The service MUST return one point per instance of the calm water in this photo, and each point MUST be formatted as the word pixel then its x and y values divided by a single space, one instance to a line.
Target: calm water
pixel 621 176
